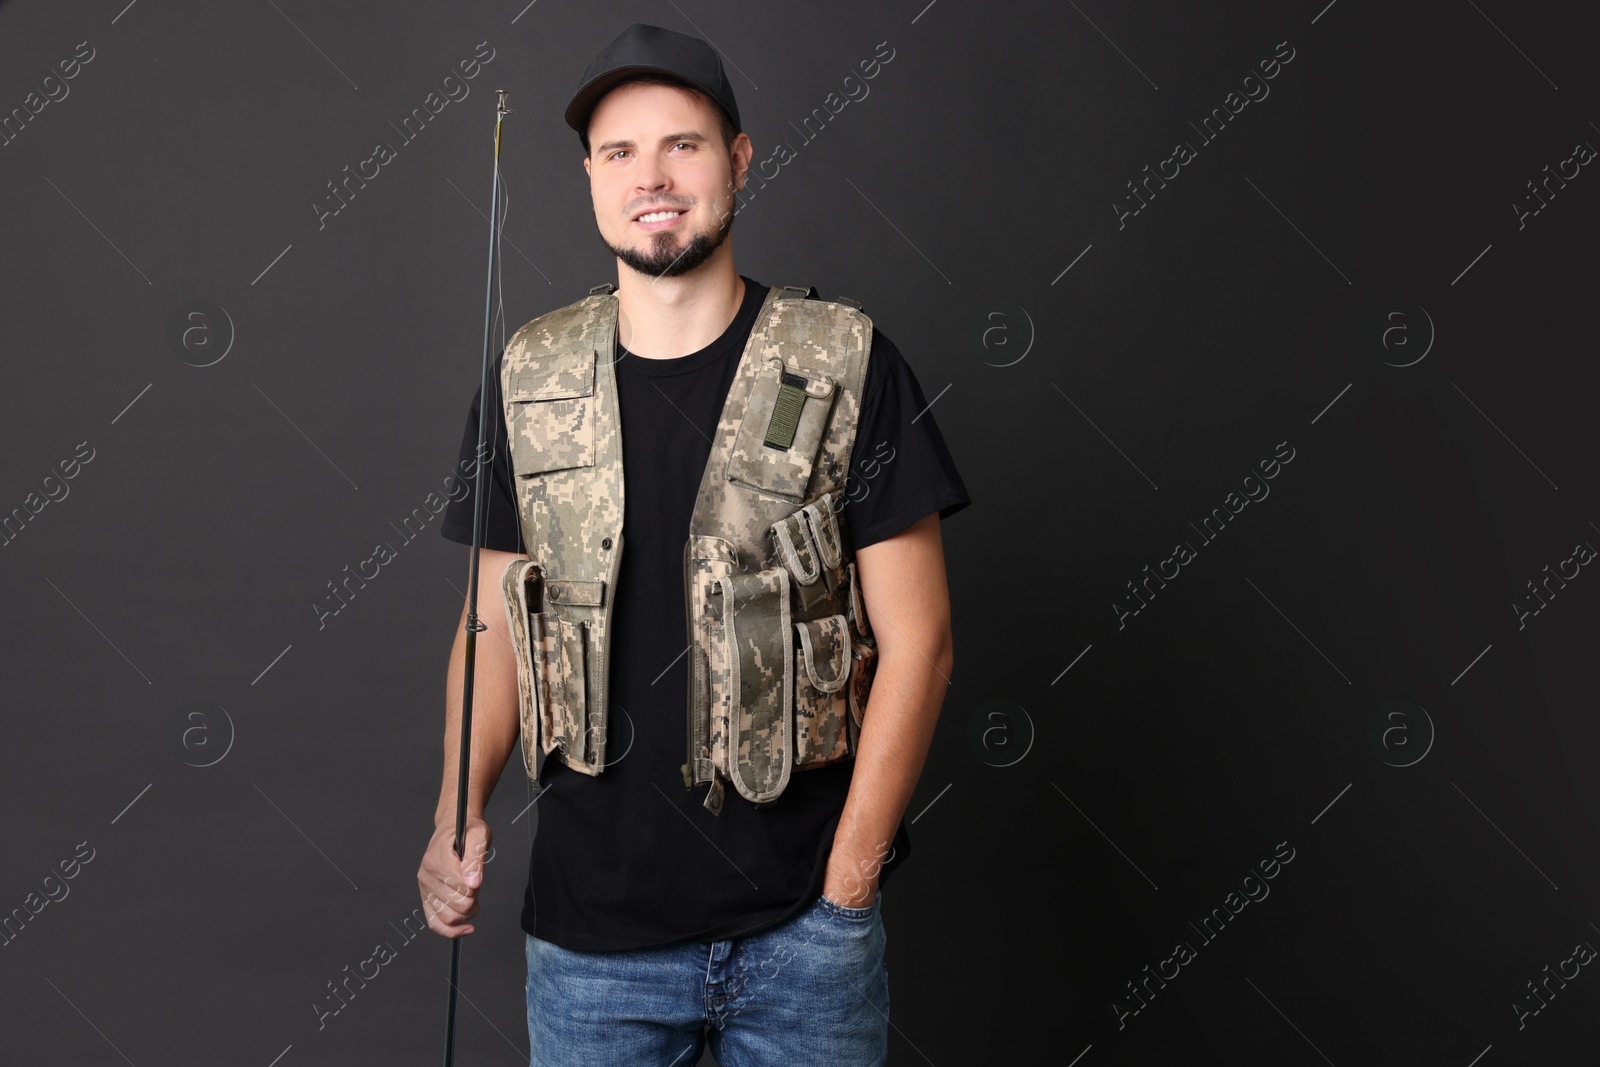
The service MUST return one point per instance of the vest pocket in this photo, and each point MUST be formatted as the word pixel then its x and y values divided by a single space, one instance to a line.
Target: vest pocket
pixel 858 617
pixel 559 679
pixel 720 696
pixel 760 653
pixel 531 704
pixel 795 547
pixel 820 696
pixel 574 723
pixel 781 431
pixel 550 406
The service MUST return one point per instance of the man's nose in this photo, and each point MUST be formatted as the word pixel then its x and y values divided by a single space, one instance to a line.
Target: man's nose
pixel 651 175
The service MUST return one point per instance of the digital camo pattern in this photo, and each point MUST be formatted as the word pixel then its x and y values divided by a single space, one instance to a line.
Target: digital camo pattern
pixel 719 685
pixel 550 406
pixel 858 614
pixel 732 527
pixel 822 521
pixel 784 473
pixel 568 686
pixel 822 669
pixel 706 559
pixel 565 436
pixel 513 590
pixel 559 389
pixel 760 663
pixel 549 687
pixel 796 549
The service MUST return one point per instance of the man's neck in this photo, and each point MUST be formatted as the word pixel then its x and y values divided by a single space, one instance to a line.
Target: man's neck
pixel 664 318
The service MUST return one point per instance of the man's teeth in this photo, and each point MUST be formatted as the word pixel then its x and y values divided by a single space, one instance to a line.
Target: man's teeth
pixel 659 216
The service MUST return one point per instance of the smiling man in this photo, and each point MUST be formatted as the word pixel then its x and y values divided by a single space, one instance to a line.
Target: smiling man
pixel 713 538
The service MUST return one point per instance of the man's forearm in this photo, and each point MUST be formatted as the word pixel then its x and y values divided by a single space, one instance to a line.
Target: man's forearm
pixel 897 728
pixel 495 723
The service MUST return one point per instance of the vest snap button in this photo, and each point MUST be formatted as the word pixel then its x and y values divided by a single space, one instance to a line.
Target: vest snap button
pixel 555 592
pixel 605 542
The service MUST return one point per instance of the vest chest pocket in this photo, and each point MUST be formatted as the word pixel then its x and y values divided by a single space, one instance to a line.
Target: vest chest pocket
pixel 550 412
pixel 781 431
pixel 822 669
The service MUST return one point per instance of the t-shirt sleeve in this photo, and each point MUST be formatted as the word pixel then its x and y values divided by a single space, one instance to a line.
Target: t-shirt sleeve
pixel 502 531
pixel 900 468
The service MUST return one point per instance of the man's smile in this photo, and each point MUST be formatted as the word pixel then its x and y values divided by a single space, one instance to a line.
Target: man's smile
pixel 658 220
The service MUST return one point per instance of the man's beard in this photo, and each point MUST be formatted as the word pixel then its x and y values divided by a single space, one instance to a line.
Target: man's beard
pixel 660 260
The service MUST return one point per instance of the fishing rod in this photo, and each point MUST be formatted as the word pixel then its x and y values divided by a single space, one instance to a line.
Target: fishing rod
pixel 480 502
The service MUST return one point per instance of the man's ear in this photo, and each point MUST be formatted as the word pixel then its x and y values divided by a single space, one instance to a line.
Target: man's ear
pixel 742 151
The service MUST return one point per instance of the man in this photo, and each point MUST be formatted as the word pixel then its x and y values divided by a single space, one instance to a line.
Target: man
pixel 649 918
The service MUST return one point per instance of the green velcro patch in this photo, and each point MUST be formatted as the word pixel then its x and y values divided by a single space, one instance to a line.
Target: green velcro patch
pixel 786 412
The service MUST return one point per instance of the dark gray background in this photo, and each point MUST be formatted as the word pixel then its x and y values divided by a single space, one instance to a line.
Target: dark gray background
pixel 1243 307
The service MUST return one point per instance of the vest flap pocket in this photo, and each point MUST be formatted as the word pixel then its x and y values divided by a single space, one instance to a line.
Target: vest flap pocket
pixel 781 431
pixel 553 376
pixel 760 666
pixel 820 697
pixel 825 651
pixel 550 412
pixel 576 592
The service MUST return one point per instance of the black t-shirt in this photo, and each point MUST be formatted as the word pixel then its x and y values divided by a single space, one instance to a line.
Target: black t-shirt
pixel 629 859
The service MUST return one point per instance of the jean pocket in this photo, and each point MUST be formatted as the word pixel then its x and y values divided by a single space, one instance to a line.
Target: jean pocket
pixel 853 914
pixel 781 432
pixel 821 699
pixel 551 411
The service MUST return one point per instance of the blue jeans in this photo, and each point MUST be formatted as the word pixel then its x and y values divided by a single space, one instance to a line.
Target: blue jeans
pixel 812 990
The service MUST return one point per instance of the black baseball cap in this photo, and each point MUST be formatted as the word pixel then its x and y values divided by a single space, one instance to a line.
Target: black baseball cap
pixel 642 49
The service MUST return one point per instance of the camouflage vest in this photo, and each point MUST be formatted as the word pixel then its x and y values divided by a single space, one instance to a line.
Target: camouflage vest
pixel 781 657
